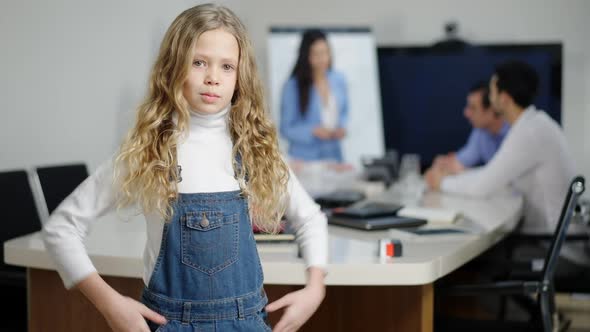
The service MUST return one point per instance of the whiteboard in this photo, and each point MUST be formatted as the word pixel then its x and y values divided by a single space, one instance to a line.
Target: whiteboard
pixel 353 54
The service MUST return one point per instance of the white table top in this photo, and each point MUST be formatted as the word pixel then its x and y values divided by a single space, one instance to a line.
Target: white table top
pixel 116 247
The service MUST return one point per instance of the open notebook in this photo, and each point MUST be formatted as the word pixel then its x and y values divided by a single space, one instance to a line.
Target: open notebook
pixel 432 215
pixel 283 236
pixel 274 238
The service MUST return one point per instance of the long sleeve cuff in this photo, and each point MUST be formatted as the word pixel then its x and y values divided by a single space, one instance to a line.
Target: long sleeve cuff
pixel 313 239
pixel 72 261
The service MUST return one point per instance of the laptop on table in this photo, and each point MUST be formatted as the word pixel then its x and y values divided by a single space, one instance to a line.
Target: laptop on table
pixel 372 216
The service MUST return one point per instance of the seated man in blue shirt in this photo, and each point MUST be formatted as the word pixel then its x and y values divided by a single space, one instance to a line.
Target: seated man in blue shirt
pixel 489 129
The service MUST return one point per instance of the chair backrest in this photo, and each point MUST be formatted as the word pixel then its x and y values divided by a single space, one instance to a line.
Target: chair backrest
pixel 58 181
pixel 19 211
pixel 575 190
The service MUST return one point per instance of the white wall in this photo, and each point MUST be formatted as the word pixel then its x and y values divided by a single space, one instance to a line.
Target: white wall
pixel 72 72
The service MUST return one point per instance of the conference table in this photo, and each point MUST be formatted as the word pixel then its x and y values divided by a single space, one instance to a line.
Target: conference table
pixel 365 292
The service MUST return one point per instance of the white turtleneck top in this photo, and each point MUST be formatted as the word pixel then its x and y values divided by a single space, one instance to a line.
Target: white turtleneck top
pixel 205 156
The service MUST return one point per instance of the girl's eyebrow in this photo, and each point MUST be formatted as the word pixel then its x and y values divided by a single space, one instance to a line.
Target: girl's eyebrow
pixel 230 60
pixel 201 55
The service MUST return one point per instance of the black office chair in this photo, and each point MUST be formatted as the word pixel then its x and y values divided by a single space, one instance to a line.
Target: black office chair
pixel 58 181
pixel 543 287
pixel 572 283
pixel 19 217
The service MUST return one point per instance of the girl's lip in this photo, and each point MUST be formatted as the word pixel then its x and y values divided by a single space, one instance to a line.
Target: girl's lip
pixel 209 94
pixel 209 98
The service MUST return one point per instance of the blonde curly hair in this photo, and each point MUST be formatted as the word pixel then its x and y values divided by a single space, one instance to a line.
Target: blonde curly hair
pixel 145 167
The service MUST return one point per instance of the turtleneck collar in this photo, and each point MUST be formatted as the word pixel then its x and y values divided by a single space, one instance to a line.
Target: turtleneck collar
pixel 209 120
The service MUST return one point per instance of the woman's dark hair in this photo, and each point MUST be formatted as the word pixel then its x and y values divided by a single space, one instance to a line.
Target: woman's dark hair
pixel 302 70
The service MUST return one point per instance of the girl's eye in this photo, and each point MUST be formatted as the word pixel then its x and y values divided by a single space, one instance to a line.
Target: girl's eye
pixel 199 63
pixel 227 67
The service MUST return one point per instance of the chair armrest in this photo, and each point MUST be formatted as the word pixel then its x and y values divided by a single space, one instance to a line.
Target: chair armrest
pixel 547 237
pixel 494 288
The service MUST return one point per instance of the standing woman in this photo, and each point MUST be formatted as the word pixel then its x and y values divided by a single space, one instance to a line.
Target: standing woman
pixel 314 104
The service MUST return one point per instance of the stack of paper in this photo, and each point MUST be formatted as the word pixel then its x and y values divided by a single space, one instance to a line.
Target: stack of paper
pixel 432 215
pixel 274 238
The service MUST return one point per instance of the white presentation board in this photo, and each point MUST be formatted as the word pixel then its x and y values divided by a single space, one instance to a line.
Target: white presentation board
pixel 354 54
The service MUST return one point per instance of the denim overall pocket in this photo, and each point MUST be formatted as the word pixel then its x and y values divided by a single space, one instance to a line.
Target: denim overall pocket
pixel 209 240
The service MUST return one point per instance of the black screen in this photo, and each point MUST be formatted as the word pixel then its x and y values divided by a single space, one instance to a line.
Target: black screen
pixel 424 89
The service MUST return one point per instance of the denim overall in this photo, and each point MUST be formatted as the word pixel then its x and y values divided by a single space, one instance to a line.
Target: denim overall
pixel 208 276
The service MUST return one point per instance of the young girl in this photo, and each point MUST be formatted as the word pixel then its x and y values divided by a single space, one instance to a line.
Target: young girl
pixel 203 164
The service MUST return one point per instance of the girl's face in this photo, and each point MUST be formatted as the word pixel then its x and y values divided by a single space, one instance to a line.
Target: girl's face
pixel 319 56
pixel 211 80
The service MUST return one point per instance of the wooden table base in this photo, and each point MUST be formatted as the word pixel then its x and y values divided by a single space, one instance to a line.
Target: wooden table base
pixel 345 308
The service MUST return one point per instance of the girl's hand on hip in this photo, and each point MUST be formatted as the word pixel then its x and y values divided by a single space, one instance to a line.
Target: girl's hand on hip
pixel 299 307
pixel 127 315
